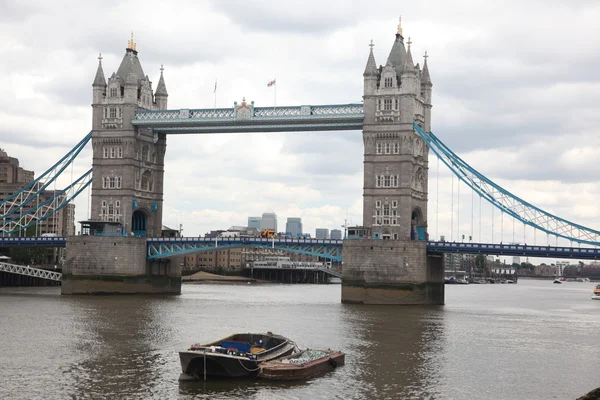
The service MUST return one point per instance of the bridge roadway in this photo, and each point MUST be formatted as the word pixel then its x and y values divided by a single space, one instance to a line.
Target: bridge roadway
pixel 327 248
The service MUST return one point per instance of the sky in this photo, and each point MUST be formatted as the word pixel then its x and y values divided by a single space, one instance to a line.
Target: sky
pixel 516 93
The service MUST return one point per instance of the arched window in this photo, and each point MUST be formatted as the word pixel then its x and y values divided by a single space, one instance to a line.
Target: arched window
pixel 146 181
pixel 387 181
pixel 145 153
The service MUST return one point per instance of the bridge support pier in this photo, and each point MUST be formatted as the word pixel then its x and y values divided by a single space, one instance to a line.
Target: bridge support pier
pixel 397 272
pixel 116 265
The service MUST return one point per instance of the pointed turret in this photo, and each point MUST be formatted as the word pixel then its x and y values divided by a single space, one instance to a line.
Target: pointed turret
pixel 99 80
pixel 408 66
pixel 371 68
pixel 426 92
pixel 425 78
pixel 161 94
pixel 398 52
pixel 99 85
pixel 131 64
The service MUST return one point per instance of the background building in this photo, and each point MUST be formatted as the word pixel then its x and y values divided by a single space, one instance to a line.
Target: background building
pixel 559 267
pixel 269 221
pixel 10 172
pixel 336 234
pixel 322 233
pixel 254 222
pixel 293 226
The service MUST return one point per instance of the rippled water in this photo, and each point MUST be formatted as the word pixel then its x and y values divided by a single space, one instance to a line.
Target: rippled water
pixel 533 340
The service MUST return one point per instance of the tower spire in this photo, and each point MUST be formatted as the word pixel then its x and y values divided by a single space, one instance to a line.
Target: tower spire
pixel 409 65
pixel 399 31
pixel 131 44
pixel 161 94
pixel 99 80
pixel 425 73
pixel 371 68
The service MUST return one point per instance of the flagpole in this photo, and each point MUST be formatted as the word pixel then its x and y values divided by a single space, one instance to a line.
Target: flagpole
pixel 275 96
pixel 215 107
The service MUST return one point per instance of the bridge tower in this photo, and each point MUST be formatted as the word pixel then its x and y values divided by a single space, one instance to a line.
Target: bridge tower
pixel 128 162
pixel 391 266
pixel 127 190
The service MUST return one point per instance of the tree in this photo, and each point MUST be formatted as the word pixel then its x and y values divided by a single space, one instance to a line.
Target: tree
pixel 480 264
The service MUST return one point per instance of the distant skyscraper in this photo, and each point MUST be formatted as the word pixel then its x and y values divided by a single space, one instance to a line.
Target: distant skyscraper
pixel 269 221
pixel 294 226
pixel 322 233
pixel 336 234
pixel 254 222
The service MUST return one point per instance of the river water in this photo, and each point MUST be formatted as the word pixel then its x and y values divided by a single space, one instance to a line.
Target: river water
pixel 532 340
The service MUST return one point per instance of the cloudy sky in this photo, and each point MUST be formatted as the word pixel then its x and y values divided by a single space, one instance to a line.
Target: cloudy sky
pixel 516 94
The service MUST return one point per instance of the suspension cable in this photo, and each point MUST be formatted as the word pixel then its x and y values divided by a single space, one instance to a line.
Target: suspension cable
pixel 479 219
pixel 452 212
pixel 501 226
pixel 458 209
pixel 437 197
pixel 472 198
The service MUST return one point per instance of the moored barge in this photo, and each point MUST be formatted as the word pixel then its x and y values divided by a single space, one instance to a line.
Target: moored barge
pixel 302 365
pixel 235 356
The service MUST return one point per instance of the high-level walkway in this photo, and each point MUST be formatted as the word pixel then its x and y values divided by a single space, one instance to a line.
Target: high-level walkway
pixel 247 118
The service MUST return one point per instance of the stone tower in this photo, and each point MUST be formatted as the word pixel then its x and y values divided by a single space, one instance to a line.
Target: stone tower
pixel 128 162
pixel 391 266
pixel 395 158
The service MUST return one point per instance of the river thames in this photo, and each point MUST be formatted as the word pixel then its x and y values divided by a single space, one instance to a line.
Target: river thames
pixel 532 340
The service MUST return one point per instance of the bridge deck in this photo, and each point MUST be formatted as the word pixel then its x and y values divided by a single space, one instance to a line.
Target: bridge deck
pixel 331 248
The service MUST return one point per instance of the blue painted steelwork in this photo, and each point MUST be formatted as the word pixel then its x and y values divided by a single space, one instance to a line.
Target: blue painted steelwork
pixel 257 119
pixel 168 247
pixel 582 253
pixel 33 241
pixel 506 201
pixel 326 248
pixel 18 200
pixel 47 208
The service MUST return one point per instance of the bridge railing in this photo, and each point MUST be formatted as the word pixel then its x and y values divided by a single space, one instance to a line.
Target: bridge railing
pixel 336 111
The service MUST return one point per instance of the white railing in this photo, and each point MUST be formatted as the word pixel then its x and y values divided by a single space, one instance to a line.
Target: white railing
pixel 28 271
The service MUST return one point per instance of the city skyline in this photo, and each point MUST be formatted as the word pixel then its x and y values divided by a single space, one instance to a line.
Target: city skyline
pixel 524 116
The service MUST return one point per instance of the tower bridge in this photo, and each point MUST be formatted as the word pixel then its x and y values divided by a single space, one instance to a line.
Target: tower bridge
pixel 393 263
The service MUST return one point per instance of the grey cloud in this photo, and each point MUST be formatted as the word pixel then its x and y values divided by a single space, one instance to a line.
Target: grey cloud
pixel 307 17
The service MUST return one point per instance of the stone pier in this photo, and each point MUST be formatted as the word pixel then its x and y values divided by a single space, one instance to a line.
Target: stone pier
pixel 116 265
pixel 398 272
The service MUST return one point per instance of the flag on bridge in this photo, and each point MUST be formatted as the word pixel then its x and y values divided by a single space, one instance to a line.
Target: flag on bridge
pixel 215 91
pixel 271 83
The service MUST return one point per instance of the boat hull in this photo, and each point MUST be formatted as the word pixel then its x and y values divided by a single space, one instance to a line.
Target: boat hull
pixel 205 361
pixel 217 366
pixel 281 371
